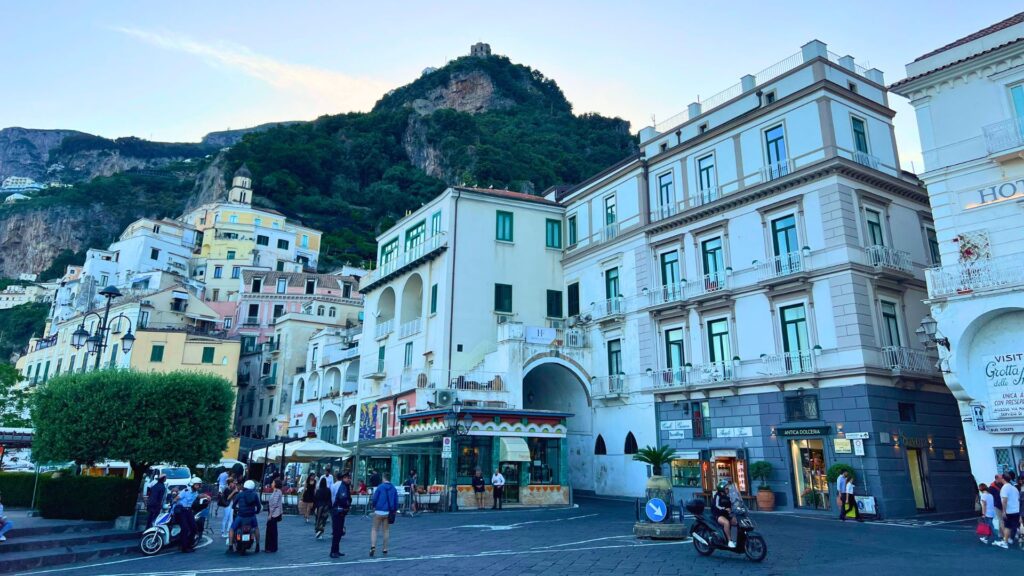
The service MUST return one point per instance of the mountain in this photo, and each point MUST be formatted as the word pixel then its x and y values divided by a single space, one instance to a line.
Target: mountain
pixel 481 121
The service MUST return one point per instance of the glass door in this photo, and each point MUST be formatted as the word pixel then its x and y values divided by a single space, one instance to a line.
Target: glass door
pixel 510 470
pixel 809 482
pixel 714 264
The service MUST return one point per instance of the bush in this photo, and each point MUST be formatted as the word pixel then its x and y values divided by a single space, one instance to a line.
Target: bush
pixel 761 471
pixel 836 469
pixel 87 497
pixel 16 488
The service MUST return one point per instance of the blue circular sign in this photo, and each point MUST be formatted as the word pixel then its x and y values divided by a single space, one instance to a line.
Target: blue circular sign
pixel 656 509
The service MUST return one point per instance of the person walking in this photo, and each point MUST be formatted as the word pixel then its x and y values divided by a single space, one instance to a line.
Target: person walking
pixel 410 491
pixel 1010 496
pixel 323 507
pixel 155 500
pixel 375 478
pixel 851 501
pixel 479 486
pixel 385 507
pixel 275 513
pixel 229 510
pixel 498 482
pixel 988 513
pixel 841 491
pixel 308 497
pixel 339 510
pixel 5 522
pixel 997 501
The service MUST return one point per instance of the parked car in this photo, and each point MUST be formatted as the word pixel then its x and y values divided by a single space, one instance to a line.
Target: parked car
pixel 177 477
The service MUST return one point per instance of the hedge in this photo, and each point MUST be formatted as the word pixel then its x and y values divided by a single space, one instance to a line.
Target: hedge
pixel 87 497
pixel 16 488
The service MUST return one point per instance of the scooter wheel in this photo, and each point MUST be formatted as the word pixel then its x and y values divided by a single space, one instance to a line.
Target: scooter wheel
pixel 702 548
pixel 756 548
pixel 151 544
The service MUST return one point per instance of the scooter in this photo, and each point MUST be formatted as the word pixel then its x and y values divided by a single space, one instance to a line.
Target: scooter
pixel 165 532
pixel 708 536
pixel 245 535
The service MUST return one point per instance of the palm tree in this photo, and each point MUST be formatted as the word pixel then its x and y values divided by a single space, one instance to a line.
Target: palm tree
pixel 656 457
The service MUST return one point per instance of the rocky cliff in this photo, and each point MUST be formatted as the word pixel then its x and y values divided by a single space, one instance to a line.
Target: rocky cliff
pixel 30 240
pixel 26 152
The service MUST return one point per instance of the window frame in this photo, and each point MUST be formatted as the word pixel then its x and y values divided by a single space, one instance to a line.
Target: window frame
pixel 707 176
pixel 154 356
pixel 723 339
pixel 554 297
pixel 433 298
pixel 572 300
pixel 931 239
pixel 854 120
pixel 672 346
pixel 613 351
pixel 776 230
pixel 666 188
pixel 389 251
pixel 572 225
pixel 890 323
pixel 771 146
pixel 415 235
pixel 504 222
pixel 283 244
pixel 435 223
pixel 797 324
pixel 612 277
pixel 553 233
pixel 499 288
pixel 872 225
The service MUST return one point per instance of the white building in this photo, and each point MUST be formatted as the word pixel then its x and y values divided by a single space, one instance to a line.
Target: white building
pixel 969 98
pixel 324 394
pixel 20 185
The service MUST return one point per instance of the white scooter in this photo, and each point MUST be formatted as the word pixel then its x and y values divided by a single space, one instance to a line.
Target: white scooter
pixel 165 532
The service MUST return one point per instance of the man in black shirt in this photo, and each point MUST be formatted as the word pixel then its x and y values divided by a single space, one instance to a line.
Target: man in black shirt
pixel 478 488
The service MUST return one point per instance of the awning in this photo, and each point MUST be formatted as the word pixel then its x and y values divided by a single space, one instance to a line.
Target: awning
pixel 513 449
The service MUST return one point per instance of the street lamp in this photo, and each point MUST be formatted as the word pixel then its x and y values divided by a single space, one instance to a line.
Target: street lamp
pixel 457 427
pixel 928 332
pixel 97 341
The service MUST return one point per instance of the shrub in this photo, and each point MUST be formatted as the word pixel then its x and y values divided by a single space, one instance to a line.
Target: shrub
pixel 87 497
pixel 761 471
pixel 836 469
pixel 16 488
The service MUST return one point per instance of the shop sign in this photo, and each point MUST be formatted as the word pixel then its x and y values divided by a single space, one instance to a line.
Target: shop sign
pixel 979 416
pixel 809 431
pixel 858 435
pixel 1006 429
pixel 999 192
pixel 677 434
pixel 540 335
pixel 842 445
pixel 1004 375
pixel 858 447
pixel 677 425
pixel 740 432
pixel 866 505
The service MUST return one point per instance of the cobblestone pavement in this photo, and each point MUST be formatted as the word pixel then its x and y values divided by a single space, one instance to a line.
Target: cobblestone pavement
pixel 594 538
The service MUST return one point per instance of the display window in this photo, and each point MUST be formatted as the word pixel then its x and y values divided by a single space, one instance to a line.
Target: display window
pixel 809 477
pixel 686 473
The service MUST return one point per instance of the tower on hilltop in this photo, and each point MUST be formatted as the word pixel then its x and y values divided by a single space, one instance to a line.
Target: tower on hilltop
pixel 480 50
pixel 241 186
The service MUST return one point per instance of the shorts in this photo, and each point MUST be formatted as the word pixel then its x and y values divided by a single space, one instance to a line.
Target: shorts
pixel 1012 522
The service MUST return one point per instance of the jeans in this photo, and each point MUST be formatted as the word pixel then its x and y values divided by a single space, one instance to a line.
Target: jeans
pixel 337 530
pixel 187 521
pixel 499 491
pixel 229 517
pixel 7 526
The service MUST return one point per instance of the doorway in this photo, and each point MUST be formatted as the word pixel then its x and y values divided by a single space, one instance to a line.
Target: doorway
pixel 510 470
pixel 919 478
pixel 809 481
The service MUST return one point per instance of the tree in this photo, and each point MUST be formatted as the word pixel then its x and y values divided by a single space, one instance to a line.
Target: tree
pixel 656 457
pixel 12 401
pixel 143 418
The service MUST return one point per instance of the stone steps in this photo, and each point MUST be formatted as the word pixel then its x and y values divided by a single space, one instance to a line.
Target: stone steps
pixel 37 543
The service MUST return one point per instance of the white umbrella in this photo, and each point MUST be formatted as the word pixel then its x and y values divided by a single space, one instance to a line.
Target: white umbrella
pixel 309 450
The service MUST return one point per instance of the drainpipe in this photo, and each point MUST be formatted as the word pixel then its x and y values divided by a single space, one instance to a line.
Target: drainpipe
pixel 451 290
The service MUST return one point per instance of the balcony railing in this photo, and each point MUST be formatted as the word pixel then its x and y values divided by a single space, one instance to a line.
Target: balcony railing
pixel 682 290
pixel 609 386
pixel 977 276
pixel 385 327
pixel 903 359
pixel 886 257
pixel 865 159
pixel 1005 135
pixel 776 170
pixel 610 232
pixel 251 321
pixel 408 256
pixel 665 211
pixel 788 363
pixel 705 196
pixel 409 328
pixel 563 337
pixel 474 380
pixel 782 265
pixel 611 307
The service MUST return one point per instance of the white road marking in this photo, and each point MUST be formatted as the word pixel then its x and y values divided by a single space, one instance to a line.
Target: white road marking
pixel 500 527
pixel 206 542
pixel 582 542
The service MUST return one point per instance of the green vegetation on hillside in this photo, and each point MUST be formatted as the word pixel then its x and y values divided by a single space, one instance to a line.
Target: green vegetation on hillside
pixel 130 146
pixel 18 324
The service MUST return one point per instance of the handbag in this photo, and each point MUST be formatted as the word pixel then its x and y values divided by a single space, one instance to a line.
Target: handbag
pixel 983 529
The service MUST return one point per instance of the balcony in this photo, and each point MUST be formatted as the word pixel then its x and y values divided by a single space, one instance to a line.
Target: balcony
pixel 470 381
pixel 903 360
pixel 384 328
pixel 410 328
pixel 405 260
pixel 776 170
pixel 609 310
pixel 251 321
pixel 608 387
pixel 268 381
pixel 690 376
pixel 779 266
pixel 886 257
pixel 975 276
pixel 788 363
pixel 1004 136
pixel 865 159
pixel 705 196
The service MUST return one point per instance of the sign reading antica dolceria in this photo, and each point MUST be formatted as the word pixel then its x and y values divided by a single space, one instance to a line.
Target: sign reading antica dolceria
pixel 1004 375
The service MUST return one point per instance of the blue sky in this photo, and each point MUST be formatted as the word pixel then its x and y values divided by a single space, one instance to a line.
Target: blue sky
pixel 177 70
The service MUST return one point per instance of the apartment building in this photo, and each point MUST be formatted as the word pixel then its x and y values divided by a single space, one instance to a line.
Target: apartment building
pixel 324 398
pixel 969 99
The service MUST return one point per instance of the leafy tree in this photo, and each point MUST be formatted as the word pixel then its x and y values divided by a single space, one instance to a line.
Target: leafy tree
pixel 656 457
pixel 143 418
pixel 60 264
pixel 18 324
pixel 12 402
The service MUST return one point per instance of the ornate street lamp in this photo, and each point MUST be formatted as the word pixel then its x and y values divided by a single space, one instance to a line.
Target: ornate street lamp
pixel 96 342
pixel 928 332
pixel 79 337
pixel 457 427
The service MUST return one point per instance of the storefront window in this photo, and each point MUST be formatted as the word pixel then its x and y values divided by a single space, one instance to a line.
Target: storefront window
pixel 544 460
pixel 809 473
pixel 474 452
pixel 686 473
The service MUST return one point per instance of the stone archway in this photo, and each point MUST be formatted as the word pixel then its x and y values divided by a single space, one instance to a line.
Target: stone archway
pixel 556 384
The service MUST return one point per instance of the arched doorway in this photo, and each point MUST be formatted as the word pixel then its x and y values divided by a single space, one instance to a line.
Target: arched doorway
pixel 552 384
pixel 348 426
pixel 329 427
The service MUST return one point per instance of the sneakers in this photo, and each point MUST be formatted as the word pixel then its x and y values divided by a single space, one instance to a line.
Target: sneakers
pixel 983 540
pixel 732 544
pixel 1001 544
pixel 3 538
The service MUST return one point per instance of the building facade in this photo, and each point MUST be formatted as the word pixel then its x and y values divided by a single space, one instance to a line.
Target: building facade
pixel 969 100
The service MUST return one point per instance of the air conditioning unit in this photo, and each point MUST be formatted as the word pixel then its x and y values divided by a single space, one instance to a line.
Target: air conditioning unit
pixel 572 321
pixel 444 397
pixel 557 324
pixel 505 318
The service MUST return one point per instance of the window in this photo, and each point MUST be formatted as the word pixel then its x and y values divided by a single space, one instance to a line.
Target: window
pixel 503 226
pixel 713 257
pixel 257 284
pixel 236 272
pixel 389 252
pixel 380 359
pixel 1017 96
pixel 104 279
pixel 346 290
pixel 282 244
pixel 573 230
pixel 775 147
pixel 890 324
pixel 408 355
pixel 231 254
pixel 254 312
pixel 282 285
pixel 305 241
pixel 553 233
pixel 703 128
pixel 385 422
pixel 278 311
pixel 852 86
pixel 664 146
pixel 769 97
pixel 614 357
pixel 545 456
pixel 433 299
pixel 707 178
pixel 156 354
pixel 503 298
pixel 475 452
pixel 630 445
pixel 610 211
pixel 933 246
pixel 718 341
pixel 46 371
pixel 320 310
pixel 310 286
pixel 874 219
pixel 784 240
pixel 554 303
pixel 666 193
pixel 233 218
pixel 611 283
pixel 435 223
pixel 208 354
pixel 332 312
pixel 280 266
pixel 908 412
pixel 573 297
pixel 154 254
pixel 218 271
pixel 799 408
pixel 71 365
pixel 674 354
pixel 670 269
pixel 860 135
pixel 260 412
pixel 599 448
pixel 143 318
pixel 257 221
pixel 227 323
pixel 415 235
pixel 794 329
pixel 262 240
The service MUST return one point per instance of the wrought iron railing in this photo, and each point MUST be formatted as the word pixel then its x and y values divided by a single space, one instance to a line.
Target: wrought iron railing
pixel 788 363
pixel 976 276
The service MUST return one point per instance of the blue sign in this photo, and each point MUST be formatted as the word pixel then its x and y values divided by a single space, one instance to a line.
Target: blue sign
pixel 656 509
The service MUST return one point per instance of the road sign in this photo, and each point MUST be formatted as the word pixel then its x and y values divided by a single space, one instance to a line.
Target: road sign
pixel 446 447
pixel 656 509
pixel 857 435
pixel 858 447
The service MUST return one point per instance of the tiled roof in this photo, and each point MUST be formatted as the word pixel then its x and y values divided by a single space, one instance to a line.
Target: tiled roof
pixel 1011 21
pixel 508 194
pixel 896 85
pixel 295 279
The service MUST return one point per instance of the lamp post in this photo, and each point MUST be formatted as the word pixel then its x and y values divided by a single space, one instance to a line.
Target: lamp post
pixel 928 333
pixel 96 342
pixel 456 426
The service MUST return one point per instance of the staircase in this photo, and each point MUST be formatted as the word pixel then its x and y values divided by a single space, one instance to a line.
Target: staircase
pixel 36 543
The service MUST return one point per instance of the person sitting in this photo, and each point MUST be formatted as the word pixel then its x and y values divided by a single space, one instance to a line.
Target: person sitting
pixel 246 506
pixel 721 509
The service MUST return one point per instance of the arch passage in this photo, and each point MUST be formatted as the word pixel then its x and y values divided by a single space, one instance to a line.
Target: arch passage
pixel 552 386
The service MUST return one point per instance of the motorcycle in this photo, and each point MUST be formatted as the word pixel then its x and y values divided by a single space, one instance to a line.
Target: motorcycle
pixel 245 535
pixel 165 531
pixel 708 536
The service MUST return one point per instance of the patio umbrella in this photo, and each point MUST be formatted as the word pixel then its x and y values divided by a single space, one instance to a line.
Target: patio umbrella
pixel 309 450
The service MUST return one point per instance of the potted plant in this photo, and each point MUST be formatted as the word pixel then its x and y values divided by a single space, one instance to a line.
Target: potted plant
pixel 657 458
pixel 765 497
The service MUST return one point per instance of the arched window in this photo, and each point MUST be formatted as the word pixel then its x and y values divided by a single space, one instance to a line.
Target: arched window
pixel 599 447
pixel 631 447
pixel 332 312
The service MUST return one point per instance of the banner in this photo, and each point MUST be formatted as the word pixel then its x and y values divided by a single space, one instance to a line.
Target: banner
pixel 1004 376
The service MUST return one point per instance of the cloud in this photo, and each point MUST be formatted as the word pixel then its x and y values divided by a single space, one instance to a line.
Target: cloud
pixel 337 91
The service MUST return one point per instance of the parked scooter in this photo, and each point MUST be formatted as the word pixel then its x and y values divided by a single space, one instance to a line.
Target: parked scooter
pixel 165 532
pixel 708 536
pixel 245 536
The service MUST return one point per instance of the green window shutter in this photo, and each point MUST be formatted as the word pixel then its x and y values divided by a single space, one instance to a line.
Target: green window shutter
pixel 504 226
pixel 433 299
pixel 157 353
pixel 208 354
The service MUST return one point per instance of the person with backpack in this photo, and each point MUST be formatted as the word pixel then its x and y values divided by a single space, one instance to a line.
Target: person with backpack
pixel 385 508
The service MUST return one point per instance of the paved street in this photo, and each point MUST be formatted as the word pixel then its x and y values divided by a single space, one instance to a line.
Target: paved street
pixel 594 538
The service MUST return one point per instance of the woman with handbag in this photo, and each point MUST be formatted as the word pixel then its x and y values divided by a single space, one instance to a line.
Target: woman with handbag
pixel 275 513
pixel 988 514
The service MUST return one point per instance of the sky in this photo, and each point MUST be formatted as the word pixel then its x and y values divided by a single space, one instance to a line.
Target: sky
pixel 175 71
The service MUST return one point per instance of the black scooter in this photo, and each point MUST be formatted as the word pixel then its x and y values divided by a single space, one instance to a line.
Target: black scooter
pixel 708 536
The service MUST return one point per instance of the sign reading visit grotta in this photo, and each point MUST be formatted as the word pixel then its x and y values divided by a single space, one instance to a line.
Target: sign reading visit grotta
pixel 1004 374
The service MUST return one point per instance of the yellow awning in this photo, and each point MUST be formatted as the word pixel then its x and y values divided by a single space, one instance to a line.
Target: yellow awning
pixel 513 449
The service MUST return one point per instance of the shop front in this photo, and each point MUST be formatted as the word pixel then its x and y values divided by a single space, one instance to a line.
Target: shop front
pixel 696 473
pixel 806 447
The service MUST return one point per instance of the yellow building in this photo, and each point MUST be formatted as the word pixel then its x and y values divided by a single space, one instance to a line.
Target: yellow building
pixel 165 350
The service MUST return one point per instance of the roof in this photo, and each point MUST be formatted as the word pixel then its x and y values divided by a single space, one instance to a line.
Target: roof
pixel 296 280
pixel 1011 21
pixel 508 194
pixel 243 171
pixel 905 81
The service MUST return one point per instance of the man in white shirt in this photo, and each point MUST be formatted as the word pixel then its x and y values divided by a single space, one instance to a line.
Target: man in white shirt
pixel 498 483
pixel 1011 511
pixel 841 491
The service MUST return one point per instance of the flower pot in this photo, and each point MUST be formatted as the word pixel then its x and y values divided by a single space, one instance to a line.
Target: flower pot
pixel 660 487
pixel 765 499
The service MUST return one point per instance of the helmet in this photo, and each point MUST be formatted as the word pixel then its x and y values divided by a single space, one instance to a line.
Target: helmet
pixel 195 480
pixel 723 484
pixel 249 485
